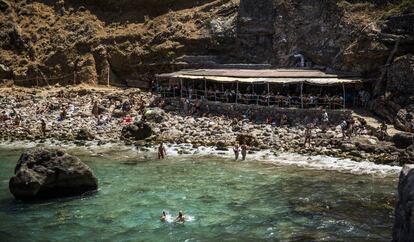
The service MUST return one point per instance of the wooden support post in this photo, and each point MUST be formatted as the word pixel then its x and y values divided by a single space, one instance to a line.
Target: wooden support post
pixel 268 94
pixel 237 91
pixel 181 88
pixel 344 99
pixel 205 88
pixel 301 95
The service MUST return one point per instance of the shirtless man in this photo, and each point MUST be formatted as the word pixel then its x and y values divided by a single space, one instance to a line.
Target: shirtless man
pixel 244 151
pixel 308 134
pixel 161 152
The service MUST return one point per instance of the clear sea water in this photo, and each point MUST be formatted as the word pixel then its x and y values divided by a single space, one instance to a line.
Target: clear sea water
pixel 225 201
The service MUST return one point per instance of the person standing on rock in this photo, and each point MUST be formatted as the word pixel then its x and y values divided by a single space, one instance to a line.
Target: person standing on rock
pixel 63 114
pixel 186 106
pixel 244 151
pixel 308 134
pixel 161 152
pixel 95 110
pixel 236 150
pixel 344 128
pixel 197 106
pixel 43 127
pixel 351 127
pixel 325 121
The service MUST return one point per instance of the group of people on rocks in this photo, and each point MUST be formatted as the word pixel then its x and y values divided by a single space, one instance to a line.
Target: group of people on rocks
pixel 195 107
pixel 47 111
pixel 349 127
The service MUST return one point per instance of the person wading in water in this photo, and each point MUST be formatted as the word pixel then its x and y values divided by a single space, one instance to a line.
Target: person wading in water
pixel 161 152
pixel 244 151
pixel 236 150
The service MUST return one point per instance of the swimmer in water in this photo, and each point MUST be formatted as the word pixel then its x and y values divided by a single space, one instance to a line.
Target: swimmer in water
pixel 180 218
pixel 163 217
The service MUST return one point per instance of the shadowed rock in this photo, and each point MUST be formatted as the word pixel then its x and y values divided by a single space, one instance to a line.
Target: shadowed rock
pixel 50 173
pixel 137 131
pixel 404 217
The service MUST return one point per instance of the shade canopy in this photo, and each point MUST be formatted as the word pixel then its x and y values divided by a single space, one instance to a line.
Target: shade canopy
pixel 278 76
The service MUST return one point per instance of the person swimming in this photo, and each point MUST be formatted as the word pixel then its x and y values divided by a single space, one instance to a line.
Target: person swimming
pixel 180 218
pixel 163 217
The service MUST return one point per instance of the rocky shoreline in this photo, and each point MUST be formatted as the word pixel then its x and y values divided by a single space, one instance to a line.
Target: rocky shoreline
pixel 105 114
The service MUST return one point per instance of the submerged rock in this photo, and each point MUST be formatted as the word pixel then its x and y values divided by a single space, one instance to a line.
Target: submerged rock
pixel 50 173
pixel 404 217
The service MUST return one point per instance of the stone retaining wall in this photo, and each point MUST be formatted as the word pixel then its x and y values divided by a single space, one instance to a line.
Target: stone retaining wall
pixel 260 113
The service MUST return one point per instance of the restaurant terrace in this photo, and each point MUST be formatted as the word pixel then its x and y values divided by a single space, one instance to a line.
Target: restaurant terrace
pixel 299 88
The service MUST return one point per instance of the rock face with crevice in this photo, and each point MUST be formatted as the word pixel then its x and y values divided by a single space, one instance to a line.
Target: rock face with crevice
pixel 403 230
pixel 126 42
pixel 49 173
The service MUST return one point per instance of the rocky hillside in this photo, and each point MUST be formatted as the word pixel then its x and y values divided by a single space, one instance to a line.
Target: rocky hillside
pixel 125 42
pixel 87 41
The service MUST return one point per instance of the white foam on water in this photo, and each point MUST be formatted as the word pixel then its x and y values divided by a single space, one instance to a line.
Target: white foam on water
pixel 120 151
pixel 318 162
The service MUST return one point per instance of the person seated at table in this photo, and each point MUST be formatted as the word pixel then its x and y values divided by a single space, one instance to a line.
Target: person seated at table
pixel 287 100
pixel 283 120
pixel 232 96
pixel 218 95
pixel 313 101
pixel 263 98
pixel 227 96
pixel 247 98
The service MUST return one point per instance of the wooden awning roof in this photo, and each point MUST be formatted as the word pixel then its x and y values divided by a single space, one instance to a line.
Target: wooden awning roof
pixel 281 76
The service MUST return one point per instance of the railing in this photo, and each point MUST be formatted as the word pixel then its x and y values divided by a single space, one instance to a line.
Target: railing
pixel 254 99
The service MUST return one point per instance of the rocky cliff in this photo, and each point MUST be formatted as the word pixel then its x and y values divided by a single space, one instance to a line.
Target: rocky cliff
pixel 45 42
pixel 125 42
pixel 93 41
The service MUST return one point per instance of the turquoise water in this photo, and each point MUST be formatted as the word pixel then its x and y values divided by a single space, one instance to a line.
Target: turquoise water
pixel 227 201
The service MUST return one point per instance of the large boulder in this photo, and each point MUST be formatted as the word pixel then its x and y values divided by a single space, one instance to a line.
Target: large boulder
pixel 156 115
pixel 248 139
pixel 85 134
pixel 404 209
pixel 50 173
pixel 405 119
pixel 401 75
pixel 5 72
pixel 407 156
pixel 137 131
pixel 403 140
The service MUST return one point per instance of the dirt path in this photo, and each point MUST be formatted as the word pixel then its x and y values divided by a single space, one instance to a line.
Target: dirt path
pixel 374 121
